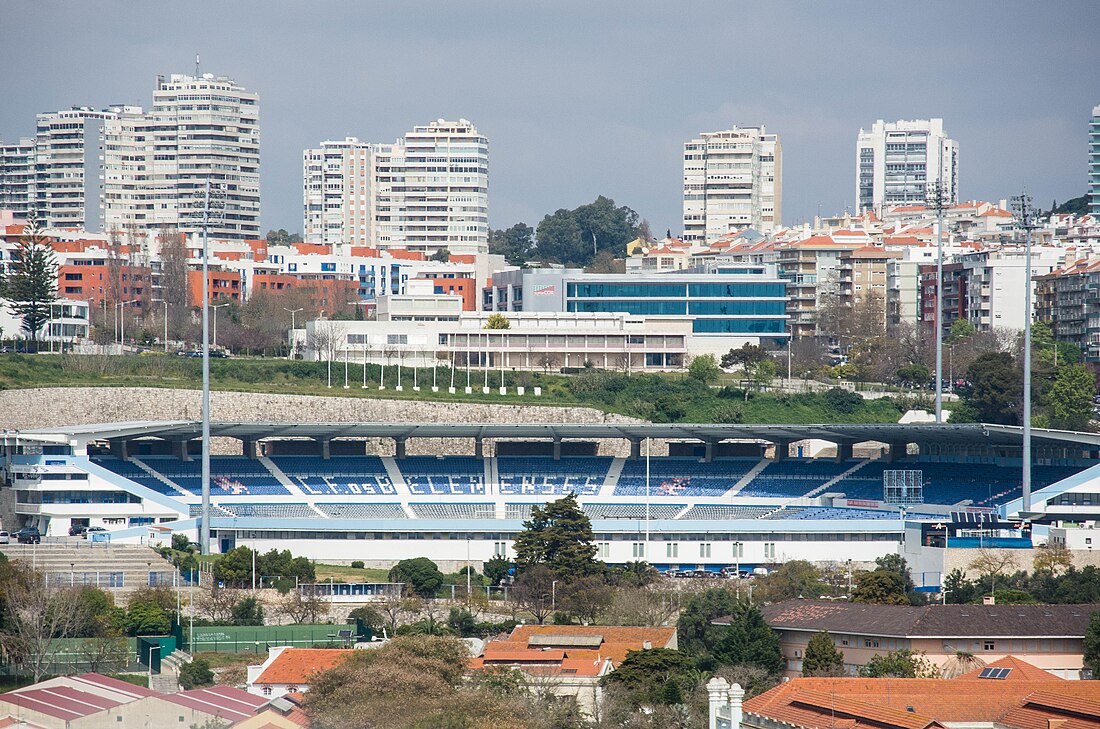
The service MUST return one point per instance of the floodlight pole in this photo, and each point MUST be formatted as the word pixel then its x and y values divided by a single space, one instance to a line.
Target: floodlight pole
pixel 647 451
pixel 204 532
pixel 1026 216
pixel 938 200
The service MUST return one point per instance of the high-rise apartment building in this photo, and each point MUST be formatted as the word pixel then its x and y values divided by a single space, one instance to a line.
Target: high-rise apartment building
pixel 896 162
pixel 204 128
pixel 337 193
pixel 17 176
pixel 1094 161
pixel 68 168
pixel 732 180
pixel 428 191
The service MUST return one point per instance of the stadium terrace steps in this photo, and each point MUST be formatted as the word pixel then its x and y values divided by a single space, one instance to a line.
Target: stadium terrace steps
pixel 177 489
pixel 280 476
pixel 748 477
pixel 79 562
pixel 611 481
pixel 396 477
pixel 828 484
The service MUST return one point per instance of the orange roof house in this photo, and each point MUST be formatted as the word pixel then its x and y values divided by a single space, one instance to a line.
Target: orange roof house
pixel 289 670
pixel 1007 693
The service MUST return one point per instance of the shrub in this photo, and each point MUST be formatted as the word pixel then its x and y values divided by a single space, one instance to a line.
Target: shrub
pixel 357 564
pixel 195 674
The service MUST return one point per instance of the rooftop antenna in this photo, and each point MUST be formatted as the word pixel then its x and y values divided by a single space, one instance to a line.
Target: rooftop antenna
pixel 196 65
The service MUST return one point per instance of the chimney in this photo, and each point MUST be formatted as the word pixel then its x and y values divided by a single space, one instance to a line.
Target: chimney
pixel 718 698
pixel 647 645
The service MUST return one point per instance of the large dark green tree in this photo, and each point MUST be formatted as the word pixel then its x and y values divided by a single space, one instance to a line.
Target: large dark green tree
pixel 902 663
pixel 822 657
pixel 31 285
pixel 1070 398
pixel 696 631
pixel 514 243
pixel 996 388
pixel 881 587
pixel 655 676
pixel 558 535
pixel 1092 645
pixel 575 237
pixel 749 640
pixel 420 575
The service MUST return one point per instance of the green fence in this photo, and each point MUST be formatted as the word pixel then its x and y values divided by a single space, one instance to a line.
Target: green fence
pixel 257 639
pixel 69 656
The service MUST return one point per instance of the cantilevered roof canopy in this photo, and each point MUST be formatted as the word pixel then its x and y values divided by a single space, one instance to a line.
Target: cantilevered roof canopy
pixel 971 433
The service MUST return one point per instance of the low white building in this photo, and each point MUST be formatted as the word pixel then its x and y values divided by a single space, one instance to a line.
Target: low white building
pixel 290 670
pixel 67 326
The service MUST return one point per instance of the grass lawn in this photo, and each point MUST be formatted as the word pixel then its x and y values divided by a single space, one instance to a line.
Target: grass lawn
pixel 228 660
pixel 349 574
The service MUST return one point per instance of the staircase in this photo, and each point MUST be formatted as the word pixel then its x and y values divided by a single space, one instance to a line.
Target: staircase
pixel 168 680
pixel 106 565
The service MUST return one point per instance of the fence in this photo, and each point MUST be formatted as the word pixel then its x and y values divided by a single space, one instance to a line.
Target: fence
pixel 103 580
pixel 68 656
pixel 257 639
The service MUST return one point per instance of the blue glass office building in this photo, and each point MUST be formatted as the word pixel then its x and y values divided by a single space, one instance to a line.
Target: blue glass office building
pixel 743 300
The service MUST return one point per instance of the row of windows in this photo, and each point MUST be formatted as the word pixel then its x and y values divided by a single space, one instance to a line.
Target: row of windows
pixel 743 290
pixel 768 538
pixel 738 326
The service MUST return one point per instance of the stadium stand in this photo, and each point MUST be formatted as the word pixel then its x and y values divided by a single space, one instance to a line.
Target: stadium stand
pixel 363 511
pixel 680 477
pixel 453 476
pixel 725 511
pixel 215 510
pixel 134 472
pixel 521 476
pixel 272 511
pixel 794 477
pixel 339 475
pixel 632 511
pixel 229 476
pixel 454 511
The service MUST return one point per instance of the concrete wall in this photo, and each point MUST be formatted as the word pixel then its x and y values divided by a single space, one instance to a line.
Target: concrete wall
pixel 51 407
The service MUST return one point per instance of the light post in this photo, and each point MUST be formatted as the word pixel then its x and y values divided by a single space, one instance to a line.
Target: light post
pixel 554 596
pixel 122 321
pixel 165 302
pixel 647 451
pixel 1026 217
pixel 737 566
pixel 215 307
pixel 937 199
pixel 290 334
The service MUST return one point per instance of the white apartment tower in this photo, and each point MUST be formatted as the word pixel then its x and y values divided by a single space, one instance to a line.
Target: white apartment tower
pixel 1094 162
pixel 336 193
pixel 428 191
pixel 17 176
pixel 896 162
pixel 204 127
pixel 68 168
pixel 732 180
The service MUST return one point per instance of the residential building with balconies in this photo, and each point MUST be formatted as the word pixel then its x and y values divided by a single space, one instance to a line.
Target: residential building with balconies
pixel 898 162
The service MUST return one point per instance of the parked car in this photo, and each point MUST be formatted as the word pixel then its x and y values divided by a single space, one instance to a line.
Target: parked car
pixel 28 535
pixel 732 573
pixel 92 530
pixel 5 538
pixel 672 573
pixel 77 530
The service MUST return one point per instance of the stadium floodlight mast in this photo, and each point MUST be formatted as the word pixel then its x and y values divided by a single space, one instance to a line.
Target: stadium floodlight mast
pixel 205 205
pixel 937 200
pixel 1026 219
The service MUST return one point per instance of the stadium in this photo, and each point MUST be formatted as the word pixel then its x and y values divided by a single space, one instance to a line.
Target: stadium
pixel 685 497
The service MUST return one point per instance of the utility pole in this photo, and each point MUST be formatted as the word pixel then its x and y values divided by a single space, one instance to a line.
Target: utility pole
pixel 937 200
pixel 1026 219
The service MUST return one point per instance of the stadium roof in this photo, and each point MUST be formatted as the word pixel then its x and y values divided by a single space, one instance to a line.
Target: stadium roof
pixel 1004 435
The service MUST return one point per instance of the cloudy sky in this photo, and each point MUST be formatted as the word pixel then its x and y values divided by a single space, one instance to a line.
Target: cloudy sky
pixel 586 97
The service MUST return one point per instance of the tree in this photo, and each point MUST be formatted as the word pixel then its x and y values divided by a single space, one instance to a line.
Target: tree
pixel 31 286
pixel 996 387
pixel 902 663
pixel 881 587
pixel 420 575
pixel 587 598
pixel 558 535
pixel 914 374
pixel 761 373
pixel 36 616
pixel 695 628
pixel 281 237
pixel 794 579
pixel 496 569
pixel 749 639
pixel 1052 558
pixel 497 321
pixel 248 611
pixel 300 606
pixel 961 329
pixel 575 237
pixel 704 368
pixel 143 618
pixel 991 564
pixel 605 262
pixel 1070 398
pixel 747 354
pixel 173 280
pixel 1092 645
pixel 196 673
pixel 234 568
pixel 534 590
pixel 441 255
pixel 822 657
pixel 655 676
pixel 514 244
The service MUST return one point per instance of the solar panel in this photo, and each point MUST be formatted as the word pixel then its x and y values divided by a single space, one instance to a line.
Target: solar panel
pixel 995 673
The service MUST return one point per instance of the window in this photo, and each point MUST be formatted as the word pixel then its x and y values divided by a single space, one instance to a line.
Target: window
pixel 267 692
pixel 639 550
pixel 769 550
pixel 704 551
pixel 603 549
pixel 988 645
pixel 672 550
pixel 500 549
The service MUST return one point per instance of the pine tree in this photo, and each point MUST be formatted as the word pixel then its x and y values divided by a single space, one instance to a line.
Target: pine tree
pixel 1092 645
pixel 822 657
pixel 31 286
pixel 558 535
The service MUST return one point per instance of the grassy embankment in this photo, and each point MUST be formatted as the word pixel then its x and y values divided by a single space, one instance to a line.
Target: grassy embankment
pixel 660 398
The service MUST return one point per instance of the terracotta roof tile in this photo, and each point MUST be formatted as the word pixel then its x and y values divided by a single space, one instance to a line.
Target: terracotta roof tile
pixel 296 665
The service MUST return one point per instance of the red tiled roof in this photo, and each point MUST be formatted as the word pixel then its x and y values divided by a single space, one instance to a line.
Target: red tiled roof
pixel 296 665
pixel 1021 671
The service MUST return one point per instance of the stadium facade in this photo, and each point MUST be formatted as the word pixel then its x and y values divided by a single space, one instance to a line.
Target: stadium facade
pixel 723 495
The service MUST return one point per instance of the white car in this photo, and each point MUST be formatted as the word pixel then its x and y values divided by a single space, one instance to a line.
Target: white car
pixel 5 538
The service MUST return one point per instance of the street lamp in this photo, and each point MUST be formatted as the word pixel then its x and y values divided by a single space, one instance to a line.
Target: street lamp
pixel 165 302
pixel 290 334
pixel 215 307
pixel 554 596
pixel 122 320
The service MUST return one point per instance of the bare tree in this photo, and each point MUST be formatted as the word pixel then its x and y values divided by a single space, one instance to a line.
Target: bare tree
pixel 38 615
pixel 174 286
pixel 216 604
pixel 992 563
pixel 303 606
pixel 534 591
pixel 105 653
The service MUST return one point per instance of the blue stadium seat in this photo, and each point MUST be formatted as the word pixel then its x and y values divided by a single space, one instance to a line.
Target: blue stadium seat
pixel 229 475
pixel 533 476
pixel 679 477
pixel 453 475
pixel 337 476
pixel 794 477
